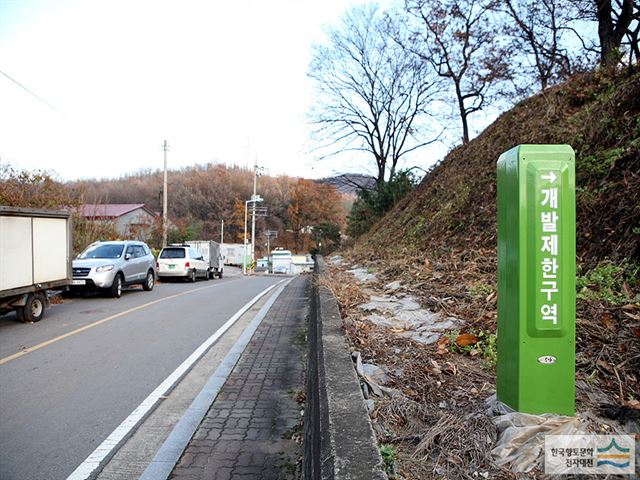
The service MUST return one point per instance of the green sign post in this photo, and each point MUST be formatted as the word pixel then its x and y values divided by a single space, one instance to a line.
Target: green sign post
pixel 536 279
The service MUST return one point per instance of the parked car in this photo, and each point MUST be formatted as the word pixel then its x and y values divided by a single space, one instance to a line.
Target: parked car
pixel 108 266
pixel 281 269
pixel 182 261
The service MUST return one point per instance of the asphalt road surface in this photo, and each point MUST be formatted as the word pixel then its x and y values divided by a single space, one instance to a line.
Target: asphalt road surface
pixel 59 401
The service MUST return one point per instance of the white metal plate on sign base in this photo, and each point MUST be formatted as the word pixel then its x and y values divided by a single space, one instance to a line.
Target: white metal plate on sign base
pixel 547 359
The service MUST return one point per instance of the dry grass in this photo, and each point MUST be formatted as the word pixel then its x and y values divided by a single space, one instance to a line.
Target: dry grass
pixel 440 242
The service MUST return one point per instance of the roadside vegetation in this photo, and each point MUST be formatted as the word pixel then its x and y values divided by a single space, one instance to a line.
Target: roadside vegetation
pixel 440 243
pixel 437 243
pixel 305 213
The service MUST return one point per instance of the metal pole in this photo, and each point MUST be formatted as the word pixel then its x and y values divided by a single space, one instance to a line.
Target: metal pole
pixel 253 215
pixel 222 241
pixel 244 259
pixel 164 198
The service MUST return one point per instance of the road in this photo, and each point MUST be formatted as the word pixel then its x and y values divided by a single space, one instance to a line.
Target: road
pixel 59 401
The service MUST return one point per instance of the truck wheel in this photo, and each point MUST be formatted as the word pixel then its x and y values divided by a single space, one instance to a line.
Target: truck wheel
pixel 149 281
pixel 33 311
pixel 220 274
pixel 116 288
pixel 194 276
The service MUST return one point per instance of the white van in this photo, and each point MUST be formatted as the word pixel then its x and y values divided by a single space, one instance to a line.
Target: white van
pixel 182 261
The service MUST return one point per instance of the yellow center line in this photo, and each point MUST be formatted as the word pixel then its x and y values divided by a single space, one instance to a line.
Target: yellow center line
pixel 95 324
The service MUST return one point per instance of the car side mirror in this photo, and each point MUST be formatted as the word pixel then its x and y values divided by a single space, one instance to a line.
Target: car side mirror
pixel 127 256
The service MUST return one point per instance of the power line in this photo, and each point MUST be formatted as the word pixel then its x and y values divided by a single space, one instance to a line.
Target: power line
pixel 30 92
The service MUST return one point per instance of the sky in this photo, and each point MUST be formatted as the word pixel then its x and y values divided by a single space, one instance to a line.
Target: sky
pixel 92 88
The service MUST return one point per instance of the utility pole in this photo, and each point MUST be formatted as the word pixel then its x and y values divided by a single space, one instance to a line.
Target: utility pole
pixel 244 259
pixel 222 241
pixel 165 148
pixel 254 199
pixel 270 234
pixel 253 214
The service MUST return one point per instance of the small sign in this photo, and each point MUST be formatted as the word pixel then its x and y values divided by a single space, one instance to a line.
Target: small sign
pixel 79 282
pixel 547 359
pixel 536 279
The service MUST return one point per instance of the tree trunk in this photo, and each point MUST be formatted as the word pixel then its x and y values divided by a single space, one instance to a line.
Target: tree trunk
pixel 463 115
pixel 610 33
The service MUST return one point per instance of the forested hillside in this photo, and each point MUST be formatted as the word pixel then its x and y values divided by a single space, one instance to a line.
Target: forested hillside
pixel 199 198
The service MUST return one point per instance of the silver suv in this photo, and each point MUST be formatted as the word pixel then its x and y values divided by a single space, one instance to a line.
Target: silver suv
pixel 108 266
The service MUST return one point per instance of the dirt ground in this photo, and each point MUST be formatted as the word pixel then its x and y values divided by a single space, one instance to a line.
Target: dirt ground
pixel 432 420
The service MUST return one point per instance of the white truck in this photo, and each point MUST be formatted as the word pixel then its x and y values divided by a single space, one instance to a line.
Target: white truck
pixel 35 256
pixel 281 261
pixel 234 253
pixel 212 254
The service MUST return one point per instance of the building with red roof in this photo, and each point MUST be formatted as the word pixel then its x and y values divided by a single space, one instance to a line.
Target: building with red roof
pixel 131 220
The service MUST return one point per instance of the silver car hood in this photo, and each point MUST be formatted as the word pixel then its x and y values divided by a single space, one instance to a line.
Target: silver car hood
pixel 94 262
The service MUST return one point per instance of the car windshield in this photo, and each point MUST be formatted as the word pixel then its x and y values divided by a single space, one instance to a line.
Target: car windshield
pixel 103 251
pixel 172 253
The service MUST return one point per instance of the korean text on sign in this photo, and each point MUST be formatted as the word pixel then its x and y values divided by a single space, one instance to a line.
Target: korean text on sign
pixel 549 219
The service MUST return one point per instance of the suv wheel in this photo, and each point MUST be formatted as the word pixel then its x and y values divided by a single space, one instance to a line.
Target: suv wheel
pixel 194 276
pixel 149 281
pixel 116 288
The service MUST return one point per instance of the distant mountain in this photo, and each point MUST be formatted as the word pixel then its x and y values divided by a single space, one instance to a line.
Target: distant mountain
pixel 350 183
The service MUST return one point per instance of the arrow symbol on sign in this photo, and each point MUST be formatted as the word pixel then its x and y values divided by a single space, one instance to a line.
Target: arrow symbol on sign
pixel 551 177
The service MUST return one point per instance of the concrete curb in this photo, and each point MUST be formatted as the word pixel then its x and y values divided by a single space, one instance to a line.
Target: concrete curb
pixel 339 439
pixel 169 454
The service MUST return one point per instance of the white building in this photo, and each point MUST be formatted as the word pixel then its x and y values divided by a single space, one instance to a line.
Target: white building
pixel 301 264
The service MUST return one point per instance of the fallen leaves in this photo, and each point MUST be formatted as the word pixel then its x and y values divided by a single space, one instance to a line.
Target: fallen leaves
pixel 466 339
pixel 633 404
pixel 609 322
pixel 443 345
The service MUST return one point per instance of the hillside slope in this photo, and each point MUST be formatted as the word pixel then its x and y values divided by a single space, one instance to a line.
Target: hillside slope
pixel 441 239
pixel 438 247
pixel 455 206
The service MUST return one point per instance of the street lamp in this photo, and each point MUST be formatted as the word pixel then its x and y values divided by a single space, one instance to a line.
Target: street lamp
pixel 254 199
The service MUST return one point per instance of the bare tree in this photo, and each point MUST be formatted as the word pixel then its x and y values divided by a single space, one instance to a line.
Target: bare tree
pixel 538 30
pixel 371 96
pixel 457 38
pixel 615 19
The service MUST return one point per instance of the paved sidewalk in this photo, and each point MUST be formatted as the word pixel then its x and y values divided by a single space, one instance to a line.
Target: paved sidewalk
pixel 247 432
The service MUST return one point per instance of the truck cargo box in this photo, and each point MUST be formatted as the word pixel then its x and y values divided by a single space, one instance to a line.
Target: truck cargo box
pixel 210 250
pixel 35 255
